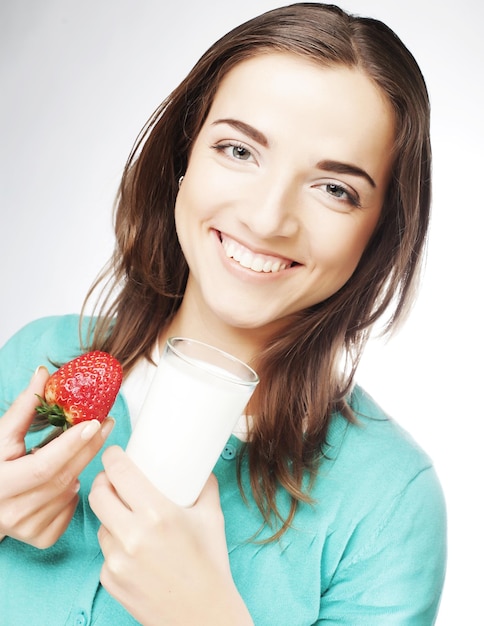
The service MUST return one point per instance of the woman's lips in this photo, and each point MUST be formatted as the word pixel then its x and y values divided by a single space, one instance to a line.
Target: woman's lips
pixel 257 262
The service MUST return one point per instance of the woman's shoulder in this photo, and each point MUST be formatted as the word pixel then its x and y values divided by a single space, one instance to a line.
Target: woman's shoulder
pixel 373 461
pixel 44 341
pixel 54 327
pixel 374 439
pixel 55 337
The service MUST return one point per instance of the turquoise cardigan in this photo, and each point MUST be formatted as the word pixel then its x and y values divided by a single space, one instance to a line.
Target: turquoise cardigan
pixel 369 551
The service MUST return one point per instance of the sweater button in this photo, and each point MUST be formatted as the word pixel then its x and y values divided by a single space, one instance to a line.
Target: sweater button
pixel 81 620
pixel 229 452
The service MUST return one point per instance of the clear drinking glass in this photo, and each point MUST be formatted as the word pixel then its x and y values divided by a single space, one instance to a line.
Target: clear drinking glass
pixel 197 396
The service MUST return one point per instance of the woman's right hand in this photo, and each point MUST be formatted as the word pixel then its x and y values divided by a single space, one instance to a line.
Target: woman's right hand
pixel 38 491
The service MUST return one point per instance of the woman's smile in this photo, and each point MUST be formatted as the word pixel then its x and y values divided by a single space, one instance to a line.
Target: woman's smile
pixel 254 260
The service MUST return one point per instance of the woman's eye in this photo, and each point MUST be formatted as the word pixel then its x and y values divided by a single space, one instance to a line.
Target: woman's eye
pixel 336 190
pixel 239 152
pixel 341 193
pixel 234 151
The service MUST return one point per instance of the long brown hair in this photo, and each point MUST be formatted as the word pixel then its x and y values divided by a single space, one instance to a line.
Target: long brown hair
pixel 302 381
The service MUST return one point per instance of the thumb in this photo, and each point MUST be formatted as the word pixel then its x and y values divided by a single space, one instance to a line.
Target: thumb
pixel 16 421
pixel 210 496
pixel 211 518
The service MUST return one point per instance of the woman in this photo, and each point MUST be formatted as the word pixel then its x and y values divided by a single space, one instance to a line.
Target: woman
pixel 276 206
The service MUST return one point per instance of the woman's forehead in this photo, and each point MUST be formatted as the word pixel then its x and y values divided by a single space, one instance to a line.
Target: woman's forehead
pixel 327 111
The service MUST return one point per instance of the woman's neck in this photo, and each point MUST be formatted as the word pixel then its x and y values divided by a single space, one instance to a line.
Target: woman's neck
pixel 243 343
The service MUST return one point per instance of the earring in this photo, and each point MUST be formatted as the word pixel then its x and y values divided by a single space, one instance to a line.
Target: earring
pixel 180 180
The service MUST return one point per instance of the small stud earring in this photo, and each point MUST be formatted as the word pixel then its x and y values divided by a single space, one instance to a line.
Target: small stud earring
pixel 180 180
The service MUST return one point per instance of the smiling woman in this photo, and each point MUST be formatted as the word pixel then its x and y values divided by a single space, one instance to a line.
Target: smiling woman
pixel 275 206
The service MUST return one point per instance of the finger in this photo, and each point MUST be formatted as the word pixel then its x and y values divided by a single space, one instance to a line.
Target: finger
pixel 112 512
pixel 21 506
pixel 106 541
pixel 44 522
pixel 56 526
pixel 60 462
pixel 77 446
pixel 209 496
pixel 132 486
pixel 208 508
pixel 17 419
pixel 114 561
pixel 92 445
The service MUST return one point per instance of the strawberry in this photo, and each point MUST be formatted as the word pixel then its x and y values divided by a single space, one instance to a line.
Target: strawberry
pixel 82 389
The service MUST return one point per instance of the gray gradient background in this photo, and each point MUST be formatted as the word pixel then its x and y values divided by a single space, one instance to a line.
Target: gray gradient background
pixel 79 79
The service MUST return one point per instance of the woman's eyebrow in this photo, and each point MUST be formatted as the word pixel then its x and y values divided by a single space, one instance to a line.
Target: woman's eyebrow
pixel 247 129
pixel 331 166
pixel 345 168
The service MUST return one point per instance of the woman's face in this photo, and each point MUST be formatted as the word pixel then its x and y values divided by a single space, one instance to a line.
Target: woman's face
pixel 283 189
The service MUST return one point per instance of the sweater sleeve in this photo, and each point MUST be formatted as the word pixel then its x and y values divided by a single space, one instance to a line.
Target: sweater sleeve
pixel 392 572
pixel 42 342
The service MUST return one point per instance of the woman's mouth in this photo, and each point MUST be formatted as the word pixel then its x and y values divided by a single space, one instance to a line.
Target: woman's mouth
pixel 255 261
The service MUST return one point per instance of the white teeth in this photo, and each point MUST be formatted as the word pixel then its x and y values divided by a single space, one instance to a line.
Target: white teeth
pixel 250 260
pixel 237 254
pixel 229 248
pixel 246 259
pixel 258 264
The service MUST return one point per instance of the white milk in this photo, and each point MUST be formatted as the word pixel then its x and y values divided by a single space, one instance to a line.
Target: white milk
pixel 188 414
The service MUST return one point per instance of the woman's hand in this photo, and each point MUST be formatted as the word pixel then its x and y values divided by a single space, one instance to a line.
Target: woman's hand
pixel 38 492
pixel 165 564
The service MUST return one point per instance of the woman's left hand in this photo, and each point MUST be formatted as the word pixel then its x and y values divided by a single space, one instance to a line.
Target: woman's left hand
pixel 165 564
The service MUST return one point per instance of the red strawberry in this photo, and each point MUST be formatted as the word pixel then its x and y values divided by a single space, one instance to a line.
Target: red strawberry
pixel 82 389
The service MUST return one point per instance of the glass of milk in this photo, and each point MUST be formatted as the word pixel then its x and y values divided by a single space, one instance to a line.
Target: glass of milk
pixel 196 397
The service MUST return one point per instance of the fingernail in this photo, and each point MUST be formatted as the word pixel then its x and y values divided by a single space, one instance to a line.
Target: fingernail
pixel 90 430
pixel 107 427
pixel 40 367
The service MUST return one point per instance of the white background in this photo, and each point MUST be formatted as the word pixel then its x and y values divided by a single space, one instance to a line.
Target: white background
pixel 79 79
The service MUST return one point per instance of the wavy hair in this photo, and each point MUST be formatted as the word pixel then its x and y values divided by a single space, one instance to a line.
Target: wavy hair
pixel 302 379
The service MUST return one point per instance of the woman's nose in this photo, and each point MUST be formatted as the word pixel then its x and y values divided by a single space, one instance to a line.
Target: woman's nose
pixel 272 210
